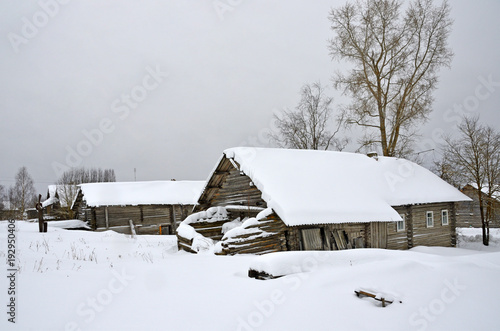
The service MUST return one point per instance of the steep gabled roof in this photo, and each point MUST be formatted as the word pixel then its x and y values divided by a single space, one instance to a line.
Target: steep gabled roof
pixel 64 194
pixel 320 187
pixel 141 193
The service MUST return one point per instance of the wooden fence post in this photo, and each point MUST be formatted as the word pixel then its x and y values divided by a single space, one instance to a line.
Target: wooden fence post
pixel 42 226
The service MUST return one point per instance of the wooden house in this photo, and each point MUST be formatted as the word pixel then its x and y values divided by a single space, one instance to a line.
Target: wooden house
pixel 280 199
pixel 153 207
pixel 468 213
pixel 59 201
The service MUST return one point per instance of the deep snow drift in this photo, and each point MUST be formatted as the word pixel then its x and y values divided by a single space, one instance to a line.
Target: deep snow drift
pixel 70 279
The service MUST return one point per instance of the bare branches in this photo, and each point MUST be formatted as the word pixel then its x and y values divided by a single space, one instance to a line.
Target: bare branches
pixel 67 185
pixel 307 127
pixel 396 58
pixel 76 176
pixel 475 155
pixel 22 194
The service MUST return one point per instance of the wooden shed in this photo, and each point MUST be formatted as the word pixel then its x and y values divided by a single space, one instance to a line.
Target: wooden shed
pixel 153 207
pixel 281 199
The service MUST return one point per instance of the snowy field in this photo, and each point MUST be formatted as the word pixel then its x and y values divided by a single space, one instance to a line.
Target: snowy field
pixel 79 280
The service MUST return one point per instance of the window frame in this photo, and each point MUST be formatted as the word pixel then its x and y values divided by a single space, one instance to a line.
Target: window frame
pixel 443 211
pixel 403 228
pixel 431 213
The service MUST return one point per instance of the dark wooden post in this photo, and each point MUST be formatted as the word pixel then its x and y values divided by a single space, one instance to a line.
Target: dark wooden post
pixel 42 226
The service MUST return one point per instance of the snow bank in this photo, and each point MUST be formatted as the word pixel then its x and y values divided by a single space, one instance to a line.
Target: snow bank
pixel 92 280
pixel 472 238
pixel 142 193
pixel 68 224
pixel 316 187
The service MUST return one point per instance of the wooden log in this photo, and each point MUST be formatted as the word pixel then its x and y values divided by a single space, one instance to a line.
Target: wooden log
pixel 186 241
pixel 273 243
pixel 185 247
pixel 261 275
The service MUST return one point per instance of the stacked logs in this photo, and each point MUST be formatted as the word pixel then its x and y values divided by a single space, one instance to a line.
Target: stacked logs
pixel 268 236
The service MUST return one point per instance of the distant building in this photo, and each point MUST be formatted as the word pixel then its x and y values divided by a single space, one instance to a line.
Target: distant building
pixel 153 207
pixel 468 213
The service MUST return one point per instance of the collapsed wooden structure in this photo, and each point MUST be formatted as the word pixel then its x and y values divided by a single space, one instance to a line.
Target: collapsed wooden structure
pixel 154 207
pixel 246 183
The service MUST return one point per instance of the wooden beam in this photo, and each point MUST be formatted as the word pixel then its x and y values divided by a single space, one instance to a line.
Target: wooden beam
pixel 106 215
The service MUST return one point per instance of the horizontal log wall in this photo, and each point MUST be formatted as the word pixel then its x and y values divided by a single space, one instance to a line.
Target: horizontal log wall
pixel 211 230
pixel 269 236
pixel 438 235
pixel 229 186
pixel 237 190
pixel 399 239
pixel 469 215
pixel 147 218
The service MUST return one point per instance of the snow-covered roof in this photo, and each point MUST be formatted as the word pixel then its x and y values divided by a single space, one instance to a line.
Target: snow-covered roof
pixel 65 195
pixel 142 193
pixel 484 190
pixel 319 187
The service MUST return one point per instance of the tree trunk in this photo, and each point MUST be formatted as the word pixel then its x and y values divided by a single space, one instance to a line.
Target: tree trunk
pixel 483 222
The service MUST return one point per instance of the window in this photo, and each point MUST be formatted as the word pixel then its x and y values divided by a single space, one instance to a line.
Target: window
pixel 430 219
pixel 400 225
pixel 444 217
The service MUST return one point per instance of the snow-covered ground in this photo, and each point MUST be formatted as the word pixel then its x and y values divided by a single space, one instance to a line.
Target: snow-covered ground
pixel 71 280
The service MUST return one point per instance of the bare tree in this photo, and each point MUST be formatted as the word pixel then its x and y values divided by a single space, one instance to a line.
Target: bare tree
pixel 475 154
pixel 448 173
pixel 307 127
pixel 395 57
pixel 22 194
pixel 67 188
pixel 82 175
pixel 2 197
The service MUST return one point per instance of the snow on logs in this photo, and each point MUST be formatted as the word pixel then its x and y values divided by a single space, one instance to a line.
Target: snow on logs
pixel 258 235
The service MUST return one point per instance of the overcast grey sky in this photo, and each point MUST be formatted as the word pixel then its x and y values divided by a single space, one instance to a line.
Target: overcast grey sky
pixel 165 86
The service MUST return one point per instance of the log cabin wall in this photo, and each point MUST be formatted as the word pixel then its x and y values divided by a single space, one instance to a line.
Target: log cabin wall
pixel 147 218
pixel 228 186
pixel 468 213
pixel 270 237
pixel 357 233
pixel 400 239
pixel 438 234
